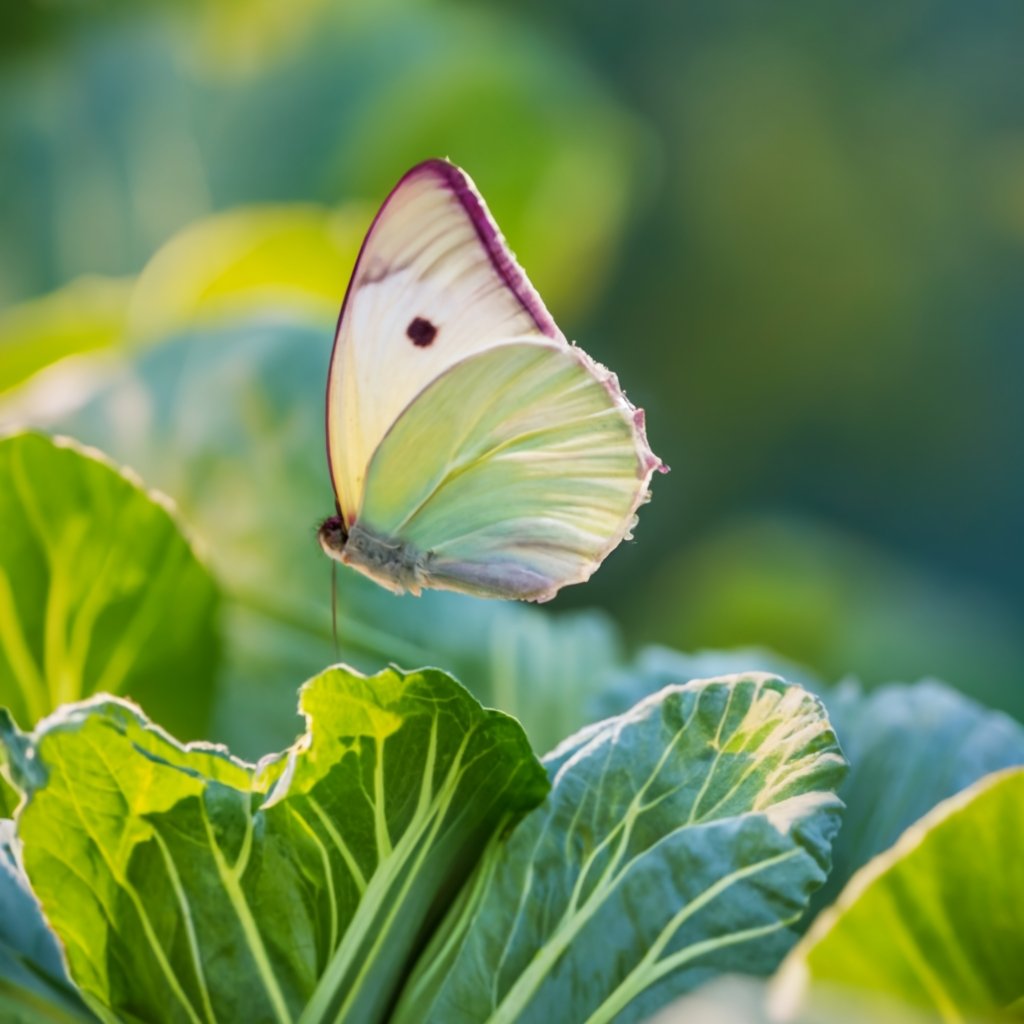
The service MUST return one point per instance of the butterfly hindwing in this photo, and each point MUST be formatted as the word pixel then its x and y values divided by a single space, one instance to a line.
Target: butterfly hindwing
pixel 434 283
pixel 512 474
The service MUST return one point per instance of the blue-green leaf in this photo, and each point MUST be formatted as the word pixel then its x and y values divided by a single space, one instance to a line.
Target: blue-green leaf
pixel 655 667
pixel 547 669
pixel 34 985
pixel 680 840
pixel 909 748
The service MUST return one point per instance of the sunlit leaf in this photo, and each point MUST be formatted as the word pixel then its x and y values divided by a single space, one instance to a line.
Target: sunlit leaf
pixel 186 885
pixel 83 316
pixel 680 840
pixel 936 922
pixel 99 589
pixel 249 260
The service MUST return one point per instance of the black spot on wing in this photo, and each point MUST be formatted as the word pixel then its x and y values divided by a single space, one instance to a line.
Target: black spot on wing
pixel 421 332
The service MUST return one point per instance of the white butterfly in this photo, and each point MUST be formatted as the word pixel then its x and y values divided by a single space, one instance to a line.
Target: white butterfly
pixel 471 447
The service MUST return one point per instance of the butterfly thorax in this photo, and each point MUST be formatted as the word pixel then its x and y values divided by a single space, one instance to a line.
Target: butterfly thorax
pixel 396 565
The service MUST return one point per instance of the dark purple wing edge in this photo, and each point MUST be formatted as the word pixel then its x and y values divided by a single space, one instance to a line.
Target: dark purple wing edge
pixel 493 242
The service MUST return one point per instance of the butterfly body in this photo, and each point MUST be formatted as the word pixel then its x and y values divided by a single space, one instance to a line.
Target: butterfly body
pixel 471 446
pixel 393 564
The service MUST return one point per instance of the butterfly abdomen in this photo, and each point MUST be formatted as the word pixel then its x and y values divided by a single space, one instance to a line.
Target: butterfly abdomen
pixel 397 565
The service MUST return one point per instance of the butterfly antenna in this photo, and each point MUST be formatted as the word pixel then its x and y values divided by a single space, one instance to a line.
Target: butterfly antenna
pixel 334 609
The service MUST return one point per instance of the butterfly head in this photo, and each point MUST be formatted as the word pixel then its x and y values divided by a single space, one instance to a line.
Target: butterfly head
pixel 333 536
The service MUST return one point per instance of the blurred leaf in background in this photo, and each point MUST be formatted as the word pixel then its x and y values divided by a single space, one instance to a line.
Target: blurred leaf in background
pixel 836 603
pixel 99 590
pixel 222 418
pixel 85 315
pixel 164 133
pixel 287 258
pixel 798 240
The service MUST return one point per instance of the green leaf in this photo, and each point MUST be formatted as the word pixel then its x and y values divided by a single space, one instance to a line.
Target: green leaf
pixel 680 840
pixel 186 885
pixel 99 590
pixel 34 985
pixel 288 256
pixel 936 922
pixel 8 795
pixel 909 747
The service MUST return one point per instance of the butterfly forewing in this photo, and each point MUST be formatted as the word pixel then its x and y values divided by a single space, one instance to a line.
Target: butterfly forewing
pixel 434 283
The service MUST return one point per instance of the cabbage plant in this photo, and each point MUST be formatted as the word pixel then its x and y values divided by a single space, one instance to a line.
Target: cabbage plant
pixel 547 827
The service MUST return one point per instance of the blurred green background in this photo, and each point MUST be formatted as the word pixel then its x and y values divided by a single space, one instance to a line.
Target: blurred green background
pixel 796 233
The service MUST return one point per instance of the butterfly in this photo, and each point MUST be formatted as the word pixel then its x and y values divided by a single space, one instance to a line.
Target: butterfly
pixel 471 446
